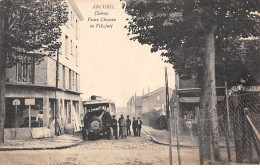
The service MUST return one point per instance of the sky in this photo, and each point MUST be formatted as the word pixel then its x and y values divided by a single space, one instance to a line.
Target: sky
pixel 111 65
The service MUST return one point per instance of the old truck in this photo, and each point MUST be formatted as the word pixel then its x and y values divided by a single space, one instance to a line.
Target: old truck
pixel 97 119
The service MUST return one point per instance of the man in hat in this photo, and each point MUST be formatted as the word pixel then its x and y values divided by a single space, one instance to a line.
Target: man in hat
pixel 114 126
pixel 128 124
pixel 122 127
pixel 139 126
pixel 39 118
pixel 134 126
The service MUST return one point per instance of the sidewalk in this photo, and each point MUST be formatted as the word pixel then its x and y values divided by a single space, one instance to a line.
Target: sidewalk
pixel 59 142
pixel 162 137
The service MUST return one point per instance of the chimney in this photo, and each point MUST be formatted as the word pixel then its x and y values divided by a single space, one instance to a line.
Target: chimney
pixel 93 97
pixel 148 89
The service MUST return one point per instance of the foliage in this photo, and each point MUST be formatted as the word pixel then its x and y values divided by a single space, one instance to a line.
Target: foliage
pixel 32 28
pixel 178 28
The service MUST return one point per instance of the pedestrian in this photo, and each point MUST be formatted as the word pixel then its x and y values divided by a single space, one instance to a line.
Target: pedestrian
pixel 39 119
pixel 139 126
pixel 122 127
pixel 128 124
pixel 134 126
pixel 114 126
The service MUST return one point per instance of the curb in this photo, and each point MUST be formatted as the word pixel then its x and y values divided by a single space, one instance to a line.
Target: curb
pixel 42 148
pixel 154 140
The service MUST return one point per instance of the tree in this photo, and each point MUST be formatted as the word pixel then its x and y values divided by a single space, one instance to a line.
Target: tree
pixel 191 34
pixel 28 28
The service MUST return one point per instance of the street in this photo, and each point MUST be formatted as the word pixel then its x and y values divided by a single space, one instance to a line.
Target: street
pixel 130 151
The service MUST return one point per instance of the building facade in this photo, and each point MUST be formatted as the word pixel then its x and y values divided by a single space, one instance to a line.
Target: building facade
pixel 134 106
pixel 187 101
pixel 150 107
pixel 37 83
pixel 155 101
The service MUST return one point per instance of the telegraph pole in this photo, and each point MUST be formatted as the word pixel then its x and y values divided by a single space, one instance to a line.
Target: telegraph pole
pixel 168 116
pixel 56 89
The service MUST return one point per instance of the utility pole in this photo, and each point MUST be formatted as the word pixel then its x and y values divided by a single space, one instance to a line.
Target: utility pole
pixel 176 119
pixel 2 72
pixel 169 119
pixel 56 89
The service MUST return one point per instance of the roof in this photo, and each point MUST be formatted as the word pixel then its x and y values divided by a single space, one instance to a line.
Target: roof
pixel 155 91
pixel 76 9
pixel 136 99
pixel 98 101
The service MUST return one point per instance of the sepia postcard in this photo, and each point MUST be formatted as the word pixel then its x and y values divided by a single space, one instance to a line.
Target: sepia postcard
pixel 129 82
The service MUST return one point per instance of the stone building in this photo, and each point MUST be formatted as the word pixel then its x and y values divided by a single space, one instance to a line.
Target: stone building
pixel 36 84
pixel 150 107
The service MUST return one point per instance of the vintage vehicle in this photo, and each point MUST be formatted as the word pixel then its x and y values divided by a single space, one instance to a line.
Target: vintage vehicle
pixel 97 118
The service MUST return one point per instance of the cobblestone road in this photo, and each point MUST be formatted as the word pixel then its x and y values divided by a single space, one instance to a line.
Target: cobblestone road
pixel 133 151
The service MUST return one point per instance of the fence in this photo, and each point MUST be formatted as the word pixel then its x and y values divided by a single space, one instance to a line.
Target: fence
pixel 238 127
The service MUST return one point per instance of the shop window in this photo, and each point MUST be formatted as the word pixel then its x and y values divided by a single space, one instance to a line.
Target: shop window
pixel 76 106
pixel 22 118
pixel 61 116
pixel 51 110
pixel 67 105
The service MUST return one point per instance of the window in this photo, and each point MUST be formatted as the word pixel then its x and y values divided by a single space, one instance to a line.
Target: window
pixel 71 47
pixel 25 70
pixel 60 40
pixel 66 45
pixel 76 82
pixel 64 76
pixel 76 54
pixel 73 79
pixel 76 29
pixel 69 79
pixel 22 118
pixel 71 18
pixel 158 97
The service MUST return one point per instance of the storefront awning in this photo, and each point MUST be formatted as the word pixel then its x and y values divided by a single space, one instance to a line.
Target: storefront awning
pixel 196 99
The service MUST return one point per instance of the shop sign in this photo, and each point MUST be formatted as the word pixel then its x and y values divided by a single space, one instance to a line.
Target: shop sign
pixel 29 102
pixel 16 102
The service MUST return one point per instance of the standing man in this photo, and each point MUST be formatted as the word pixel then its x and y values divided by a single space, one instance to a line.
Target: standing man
pixel 122 127
pixel 114 126
pixel 128 124
pixel 139 126
pixel 39 119
pixel 134 126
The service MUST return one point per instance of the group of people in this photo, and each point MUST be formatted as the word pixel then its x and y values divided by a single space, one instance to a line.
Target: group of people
pixel 125 126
